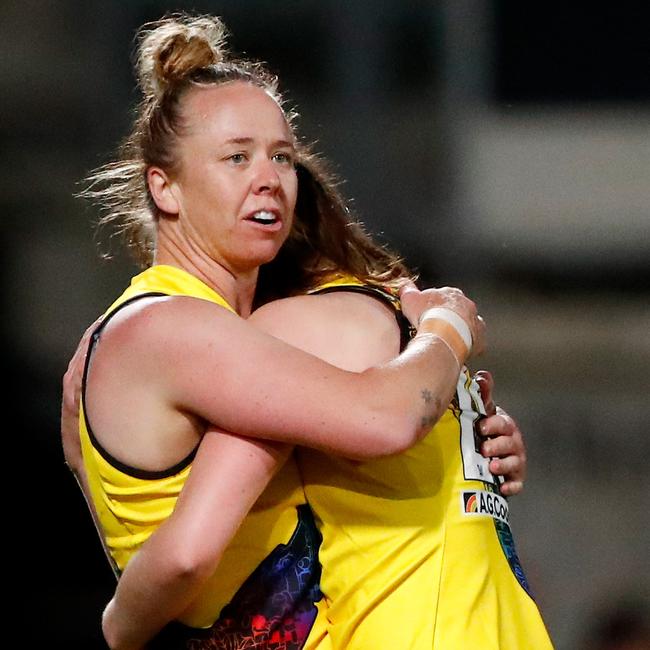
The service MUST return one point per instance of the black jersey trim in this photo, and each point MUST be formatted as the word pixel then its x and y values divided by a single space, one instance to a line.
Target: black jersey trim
pixel 406 330
pixel 135 472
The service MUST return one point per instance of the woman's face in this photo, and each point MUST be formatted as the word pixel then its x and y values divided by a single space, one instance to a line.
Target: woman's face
pixel 236 186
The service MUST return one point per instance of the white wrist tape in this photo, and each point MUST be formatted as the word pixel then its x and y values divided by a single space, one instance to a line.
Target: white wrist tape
pixel 451 317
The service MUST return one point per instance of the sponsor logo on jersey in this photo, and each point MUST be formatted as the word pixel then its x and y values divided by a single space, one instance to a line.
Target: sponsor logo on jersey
pixel 480 502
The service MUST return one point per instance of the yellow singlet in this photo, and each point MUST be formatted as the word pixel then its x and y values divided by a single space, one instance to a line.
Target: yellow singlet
pixel 417 550
pixel 265 593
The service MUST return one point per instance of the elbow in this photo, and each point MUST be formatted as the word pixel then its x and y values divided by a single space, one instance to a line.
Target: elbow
pixel 189 566
pixel 187 569
pixel 111 636
pixel 406 434
pixel 399 434
pixel 389 439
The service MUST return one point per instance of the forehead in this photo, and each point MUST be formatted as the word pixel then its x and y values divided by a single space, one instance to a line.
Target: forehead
pixel 234 110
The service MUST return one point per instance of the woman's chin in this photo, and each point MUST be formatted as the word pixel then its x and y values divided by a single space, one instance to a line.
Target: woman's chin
pixel 254 258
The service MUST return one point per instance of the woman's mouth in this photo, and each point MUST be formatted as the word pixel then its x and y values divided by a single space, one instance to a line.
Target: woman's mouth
pixel 264 217
pixel 269 219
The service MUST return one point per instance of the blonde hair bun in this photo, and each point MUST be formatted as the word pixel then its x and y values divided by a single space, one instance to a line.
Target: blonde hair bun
pixel 172 48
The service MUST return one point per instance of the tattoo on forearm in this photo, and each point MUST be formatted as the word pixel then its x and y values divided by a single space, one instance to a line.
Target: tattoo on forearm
pixel 428 421
pixel 429 399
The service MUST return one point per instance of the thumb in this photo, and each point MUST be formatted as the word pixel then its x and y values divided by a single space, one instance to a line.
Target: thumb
pixel 407 289
pixel 411 308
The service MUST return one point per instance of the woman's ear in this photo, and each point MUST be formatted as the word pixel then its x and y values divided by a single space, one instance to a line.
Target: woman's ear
pixel 160 187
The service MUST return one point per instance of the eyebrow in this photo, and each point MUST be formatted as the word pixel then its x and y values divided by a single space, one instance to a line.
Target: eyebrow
pixel 246 140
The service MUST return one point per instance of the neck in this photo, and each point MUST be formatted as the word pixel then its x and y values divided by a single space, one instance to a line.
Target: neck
pixel 236 287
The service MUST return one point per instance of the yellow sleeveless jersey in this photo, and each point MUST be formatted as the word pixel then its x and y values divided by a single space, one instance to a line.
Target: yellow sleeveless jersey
pixel 265 593
pixel 417 551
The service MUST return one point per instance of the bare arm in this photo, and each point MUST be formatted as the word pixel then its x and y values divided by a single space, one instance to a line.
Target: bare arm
pixel 230 472
pixel 333 333
pixel 242 380
pixel 163 578
pixel 165 575
pixel 348 330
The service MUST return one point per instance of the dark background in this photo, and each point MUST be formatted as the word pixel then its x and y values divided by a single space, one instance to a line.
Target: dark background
pixel 503 147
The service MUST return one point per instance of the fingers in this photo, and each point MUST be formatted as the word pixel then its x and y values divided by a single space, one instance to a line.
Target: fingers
pixel 505 446
pixel 70 409
pixel 511 488
pixel 415 303
pixel 510 466
pixel 74 374
pixel 499 424
pixel 409 285
pixel 486 386
pixel 513 470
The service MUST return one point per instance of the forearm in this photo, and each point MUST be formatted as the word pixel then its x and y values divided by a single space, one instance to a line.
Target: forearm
pixel 422 382
pixel 443 343
pixel 379 412
pixel 151 593
pixel 268 389
pixel 164 578
pixel 375 412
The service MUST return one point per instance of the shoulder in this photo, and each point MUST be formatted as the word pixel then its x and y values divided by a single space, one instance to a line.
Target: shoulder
pixel 350 330
pixel 275 316
pixel 150 331
pixel 326 306
pixel 151 317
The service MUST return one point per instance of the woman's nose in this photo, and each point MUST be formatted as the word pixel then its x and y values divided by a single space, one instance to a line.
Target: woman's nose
pixel 266 177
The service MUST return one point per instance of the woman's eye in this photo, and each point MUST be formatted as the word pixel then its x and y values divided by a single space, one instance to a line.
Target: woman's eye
pixel 237 158
pixel 283 158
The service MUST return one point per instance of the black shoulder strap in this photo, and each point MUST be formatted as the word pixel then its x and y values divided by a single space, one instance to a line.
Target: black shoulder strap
pixel 127 469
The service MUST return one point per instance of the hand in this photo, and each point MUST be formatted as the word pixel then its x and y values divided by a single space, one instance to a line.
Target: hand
pixel 505 442
pixel 70 402
pixel 74 374
pixel 415 303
